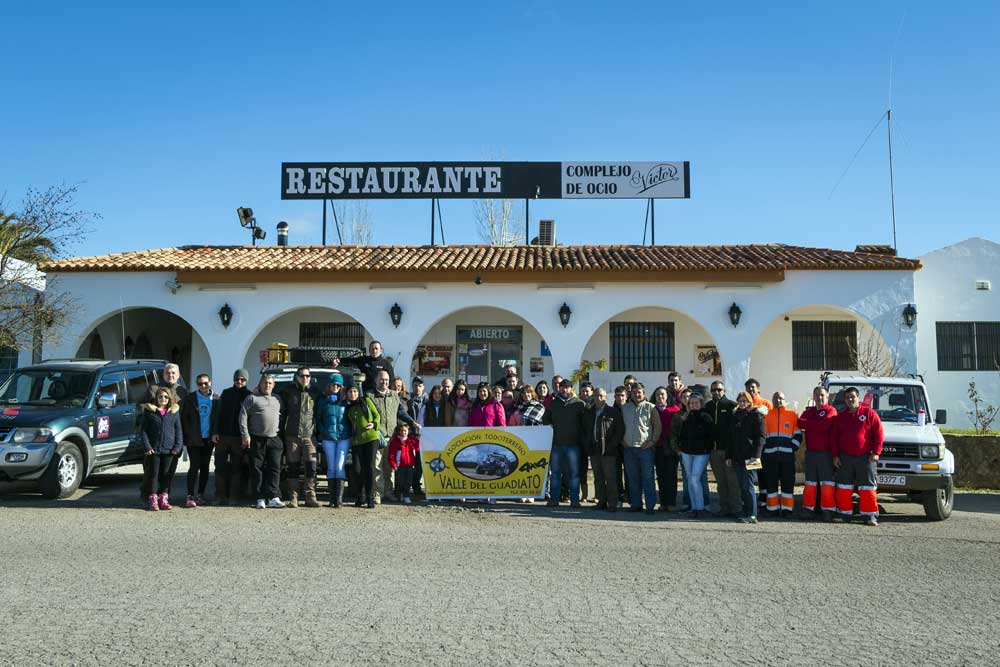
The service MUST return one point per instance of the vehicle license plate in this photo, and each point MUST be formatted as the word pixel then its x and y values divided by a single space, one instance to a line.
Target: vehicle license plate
pixel 891 480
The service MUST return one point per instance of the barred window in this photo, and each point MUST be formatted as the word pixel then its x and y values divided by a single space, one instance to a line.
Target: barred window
pixel 968 346
pixel 642 346
pixel 824 346
pixel 331 334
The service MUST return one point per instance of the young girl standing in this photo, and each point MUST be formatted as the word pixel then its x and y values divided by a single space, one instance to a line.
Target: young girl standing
pixel 461 404
pixel 403 452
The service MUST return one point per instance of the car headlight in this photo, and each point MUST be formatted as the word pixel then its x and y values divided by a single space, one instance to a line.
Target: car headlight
pixel 930 452
pixel 32 435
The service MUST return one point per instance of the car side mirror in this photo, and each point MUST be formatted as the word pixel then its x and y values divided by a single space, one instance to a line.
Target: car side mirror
pixel 941 417
pixel 106 400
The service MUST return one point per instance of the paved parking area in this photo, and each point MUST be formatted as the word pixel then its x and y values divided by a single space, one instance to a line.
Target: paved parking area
pixel 92 580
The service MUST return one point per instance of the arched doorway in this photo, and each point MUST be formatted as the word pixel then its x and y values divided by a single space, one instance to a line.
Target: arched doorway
pixel 796 347
pixel 311 328
pixel 148 333
pixel 475 344
pixel 649 343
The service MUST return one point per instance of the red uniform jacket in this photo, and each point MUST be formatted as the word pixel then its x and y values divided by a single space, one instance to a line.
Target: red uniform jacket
pixel 403 453
pixel 817 422
pixel 857 433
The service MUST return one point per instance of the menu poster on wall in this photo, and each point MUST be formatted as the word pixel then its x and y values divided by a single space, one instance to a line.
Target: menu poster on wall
pixel 707 362
pixel 434 359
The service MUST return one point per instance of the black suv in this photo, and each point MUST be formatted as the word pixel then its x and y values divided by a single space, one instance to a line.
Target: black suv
pixel 63 419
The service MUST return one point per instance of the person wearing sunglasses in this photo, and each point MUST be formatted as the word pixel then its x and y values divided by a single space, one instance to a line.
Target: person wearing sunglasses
pixel 229 451
pixel 298 422
pixel 722 410
pixel 199 410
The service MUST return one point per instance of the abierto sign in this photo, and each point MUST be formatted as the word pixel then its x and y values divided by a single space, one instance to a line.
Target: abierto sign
pixel 485 180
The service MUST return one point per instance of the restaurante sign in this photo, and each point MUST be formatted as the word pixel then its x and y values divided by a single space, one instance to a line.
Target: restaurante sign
pixel 485 180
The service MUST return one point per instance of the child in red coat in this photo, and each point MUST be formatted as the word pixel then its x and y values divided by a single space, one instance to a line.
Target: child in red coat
pixel 403 459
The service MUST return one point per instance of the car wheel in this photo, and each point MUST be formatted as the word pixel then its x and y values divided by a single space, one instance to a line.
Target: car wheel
pixel 938 503
pixel 65 472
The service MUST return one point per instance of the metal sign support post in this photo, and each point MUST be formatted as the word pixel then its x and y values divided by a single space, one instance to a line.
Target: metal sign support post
pixel 324 221
pixel 527 218
pixel 433 201
pixel 652 222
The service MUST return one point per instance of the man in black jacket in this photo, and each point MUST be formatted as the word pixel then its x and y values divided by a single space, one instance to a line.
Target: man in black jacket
pixel 722 409
pixel 565 416
pixel 229 451
pixel 370 365
pixel 603 431
pixel 298 423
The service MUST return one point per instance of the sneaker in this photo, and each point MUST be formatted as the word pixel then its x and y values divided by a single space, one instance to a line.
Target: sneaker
pixel 407 500
pixel 575 504
pixel 552 503
pixel 275 504
pixel 190 502
pixel 871 521
pixel 747 519
pixel 260 504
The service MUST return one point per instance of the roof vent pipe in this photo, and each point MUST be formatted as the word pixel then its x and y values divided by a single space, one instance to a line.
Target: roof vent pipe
pixel 282 233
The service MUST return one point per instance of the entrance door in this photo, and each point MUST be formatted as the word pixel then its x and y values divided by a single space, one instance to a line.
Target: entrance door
pixel 484 351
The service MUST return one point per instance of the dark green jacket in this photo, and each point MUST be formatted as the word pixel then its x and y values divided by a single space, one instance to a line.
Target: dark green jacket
pixel 298 418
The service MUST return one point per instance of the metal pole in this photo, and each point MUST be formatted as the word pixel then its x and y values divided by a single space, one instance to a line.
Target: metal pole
pixel 432 221
pixel 336 222
pixel 324 222
pixel 892 188
pixel 441 223
pixel 652 222
pixel 527 227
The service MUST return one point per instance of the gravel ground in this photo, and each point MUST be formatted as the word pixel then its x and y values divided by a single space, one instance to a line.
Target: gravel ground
pixel 92 581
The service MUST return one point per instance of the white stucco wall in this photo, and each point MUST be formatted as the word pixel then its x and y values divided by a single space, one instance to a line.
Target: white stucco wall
pixel 771 358
pixel 946 292
pixel 877 296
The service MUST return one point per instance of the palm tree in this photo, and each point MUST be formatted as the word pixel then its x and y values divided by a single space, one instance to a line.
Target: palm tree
pixel 21 241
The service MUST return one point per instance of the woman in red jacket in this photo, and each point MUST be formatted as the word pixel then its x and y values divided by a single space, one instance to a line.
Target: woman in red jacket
pixel 486 410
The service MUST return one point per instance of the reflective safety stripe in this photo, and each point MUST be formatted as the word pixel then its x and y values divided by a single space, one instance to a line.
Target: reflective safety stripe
pixel 812 483
pixel 786 450
pixel 826 483
pixel 866 488
pixel 846 486
pixel 770 450
pixel 772 502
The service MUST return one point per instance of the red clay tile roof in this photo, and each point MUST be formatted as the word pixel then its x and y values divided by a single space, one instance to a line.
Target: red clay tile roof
pixel 493 259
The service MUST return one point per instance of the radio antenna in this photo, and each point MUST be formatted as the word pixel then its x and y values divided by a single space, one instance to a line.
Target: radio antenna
pixel 121 310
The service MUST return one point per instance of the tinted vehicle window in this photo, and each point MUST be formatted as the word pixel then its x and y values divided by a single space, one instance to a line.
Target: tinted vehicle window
pixel 47 387
pixel 137 386
pixel 113 383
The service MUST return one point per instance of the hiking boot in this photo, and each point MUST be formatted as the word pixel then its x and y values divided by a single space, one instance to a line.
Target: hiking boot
pixel 293 499
pixel 310 494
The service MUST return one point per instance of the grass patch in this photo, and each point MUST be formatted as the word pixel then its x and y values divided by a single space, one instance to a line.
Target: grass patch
pixel 964 431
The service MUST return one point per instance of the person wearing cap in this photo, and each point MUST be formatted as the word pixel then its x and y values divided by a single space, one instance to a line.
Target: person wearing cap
pixel 566 417
pixel 229 451
pixel 334 432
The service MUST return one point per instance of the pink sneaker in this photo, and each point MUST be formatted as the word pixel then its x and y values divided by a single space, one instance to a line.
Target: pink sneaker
pixel 153 502
pixel 165 502
pixel 190 503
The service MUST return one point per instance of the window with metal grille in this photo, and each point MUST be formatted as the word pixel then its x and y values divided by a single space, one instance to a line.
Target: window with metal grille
pixel 824 346
pixel 642 346
pixel 968 346
pixel 331 334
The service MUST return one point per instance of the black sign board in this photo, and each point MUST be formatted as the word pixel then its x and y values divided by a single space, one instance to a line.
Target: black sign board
pixel 485 180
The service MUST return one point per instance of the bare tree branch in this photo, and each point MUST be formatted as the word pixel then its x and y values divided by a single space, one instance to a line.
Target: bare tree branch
pixel 356 224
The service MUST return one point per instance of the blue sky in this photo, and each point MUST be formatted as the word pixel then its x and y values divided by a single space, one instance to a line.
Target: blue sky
pixel 172 115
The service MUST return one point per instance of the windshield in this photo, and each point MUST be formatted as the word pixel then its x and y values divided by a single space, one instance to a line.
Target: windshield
pixel 47 387
pixel 894 403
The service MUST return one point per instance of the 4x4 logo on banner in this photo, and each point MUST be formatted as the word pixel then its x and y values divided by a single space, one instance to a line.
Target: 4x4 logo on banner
pixel 485 462
pixel 485 180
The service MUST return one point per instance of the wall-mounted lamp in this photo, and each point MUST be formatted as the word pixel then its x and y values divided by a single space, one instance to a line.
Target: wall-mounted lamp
pixel 396 315
pixel 735 314
pixel 226 316
pixel 910 315
pixel 564 313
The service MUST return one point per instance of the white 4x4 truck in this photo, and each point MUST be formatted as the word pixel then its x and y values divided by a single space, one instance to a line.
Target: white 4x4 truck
pixel 914 458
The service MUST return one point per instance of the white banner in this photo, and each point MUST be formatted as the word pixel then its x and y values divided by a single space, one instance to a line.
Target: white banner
pixel 625 180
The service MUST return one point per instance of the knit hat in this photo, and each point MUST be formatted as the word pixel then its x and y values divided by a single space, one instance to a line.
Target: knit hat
pixel 241 373
pixel 336 378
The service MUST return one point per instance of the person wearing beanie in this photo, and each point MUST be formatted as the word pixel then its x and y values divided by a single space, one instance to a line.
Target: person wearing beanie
pixel 334 432
pixel 229 451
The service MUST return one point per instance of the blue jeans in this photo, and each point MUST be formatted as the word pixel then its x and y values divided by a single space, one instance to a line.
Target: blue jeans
pixel 335 452
pixel 640 466
pixel 567 456
pixel 695 466
pixel 687 490
pixel 746 480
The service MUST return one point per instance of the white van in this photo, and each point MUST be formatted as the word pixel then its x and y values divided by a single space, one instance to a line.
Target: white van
pixel 914 458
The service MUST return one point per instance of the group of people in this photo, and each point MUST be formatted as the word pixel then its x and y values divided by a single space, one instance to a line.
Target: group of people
pixel 634 442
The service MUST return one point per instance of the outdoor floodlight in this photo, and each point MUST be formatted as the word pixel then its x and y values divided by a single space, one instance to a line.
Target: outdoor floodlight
pixel 246 216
